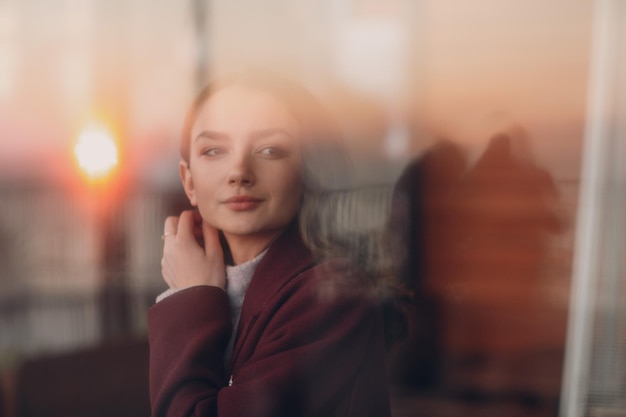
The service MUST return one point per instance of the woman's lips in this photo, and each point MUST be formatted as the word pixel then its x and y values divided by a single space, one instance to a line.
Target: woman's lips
pixel 242 203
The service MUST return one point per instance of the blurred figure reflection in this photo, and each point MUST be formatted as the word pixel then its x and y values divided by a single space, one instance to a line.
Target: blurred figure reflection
pixel 421 225
pixel 475 241
pixel 508 208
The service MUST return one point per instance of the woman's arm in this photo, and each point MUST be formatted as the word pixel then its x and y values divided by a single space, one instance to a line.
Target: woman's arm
pixel 188 333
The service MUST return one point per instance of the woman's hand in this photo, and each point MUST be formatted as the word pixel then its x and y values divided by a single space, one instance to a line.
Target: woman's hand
pixel 185 262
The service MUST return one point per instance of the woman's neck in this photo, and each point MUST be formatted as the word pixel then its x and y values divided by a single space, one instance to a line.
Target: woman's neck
pixel 244 248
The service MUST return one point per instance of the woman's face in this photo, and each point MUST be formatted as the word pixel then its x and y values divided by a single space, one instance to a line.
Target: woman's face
pixel 244 163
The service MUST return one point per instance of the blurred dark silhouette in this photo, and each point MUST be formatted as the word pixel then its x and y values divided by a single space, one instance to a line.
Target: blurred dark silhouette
pixel 503 336
pixel 420 224
pixel 474 241
pixel 114 298
pixel 508 209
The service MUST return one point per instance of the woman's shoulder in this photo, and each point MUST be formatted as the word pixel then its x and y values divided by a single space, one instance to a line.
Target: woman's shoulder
pixel 290 269
pixel 338 278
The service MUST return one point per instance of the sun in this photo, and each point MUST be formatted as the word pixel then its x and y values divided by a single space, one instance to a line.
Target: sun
pixel 96 152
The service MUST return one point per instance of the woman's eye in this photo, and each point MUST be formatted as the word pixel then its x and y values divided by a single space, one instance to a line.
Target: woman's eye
pixel 272 152
pixel 213 151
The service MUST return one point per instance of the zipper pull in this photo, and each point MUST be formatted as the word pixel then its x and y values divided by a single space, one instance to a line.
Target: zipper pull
pixel 230 380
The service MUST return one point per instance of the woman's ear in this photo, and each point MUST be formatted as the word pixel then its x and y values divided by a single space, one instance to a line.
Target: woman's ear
pixel 185 178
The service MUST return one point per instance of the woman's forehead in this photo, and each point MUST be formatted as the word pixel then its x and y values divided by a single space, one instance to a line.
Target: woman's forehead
pixel 239 107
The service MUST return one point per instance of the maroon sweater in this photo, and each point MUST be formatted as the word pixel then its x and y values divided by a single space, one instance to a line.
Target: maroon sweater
pixel 310 342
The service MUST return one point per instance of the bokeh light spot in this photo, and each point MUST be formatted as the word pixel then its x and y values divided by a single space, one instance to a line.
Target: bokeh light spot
pixel 96 152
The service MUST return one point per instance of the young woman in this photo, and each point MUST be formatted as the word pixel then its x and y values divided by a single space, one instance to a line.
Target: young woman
pixel 261 319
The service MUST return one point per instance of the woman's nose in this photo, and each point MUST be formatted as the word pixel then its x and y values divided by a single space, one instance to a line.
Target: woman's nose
pixel 241 172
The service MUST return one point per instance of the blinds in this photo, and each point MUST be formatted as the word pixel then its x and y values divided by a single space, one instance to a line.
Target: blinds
pixel 595 369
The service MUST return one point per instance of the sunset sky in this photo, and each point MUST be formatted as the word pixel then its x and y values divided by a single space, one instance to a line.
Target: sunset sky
pixel 466 69
pixel 491 62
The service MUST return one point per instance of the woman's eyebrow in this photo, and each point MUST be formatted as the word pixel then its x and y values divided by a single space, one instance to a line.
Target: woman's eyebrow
pixel 272 131
pixel 211 134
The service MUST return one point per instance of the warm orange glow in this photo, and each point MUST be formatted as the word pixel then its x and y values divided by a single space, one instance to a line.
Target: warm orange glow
pixel 96 152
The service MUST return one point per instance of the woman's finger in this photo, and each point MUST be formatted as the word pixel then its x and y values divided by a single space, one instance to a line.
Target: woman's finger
pixel 170 227
pixel 185 225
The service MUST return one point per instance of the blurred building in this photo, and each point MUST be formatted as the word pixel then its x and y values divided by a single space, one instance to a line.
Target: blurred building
pixel 53 266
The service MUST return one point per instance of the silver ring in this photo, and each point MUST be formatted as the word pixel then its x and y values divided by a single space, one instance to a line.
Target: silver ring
pixel 164 235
